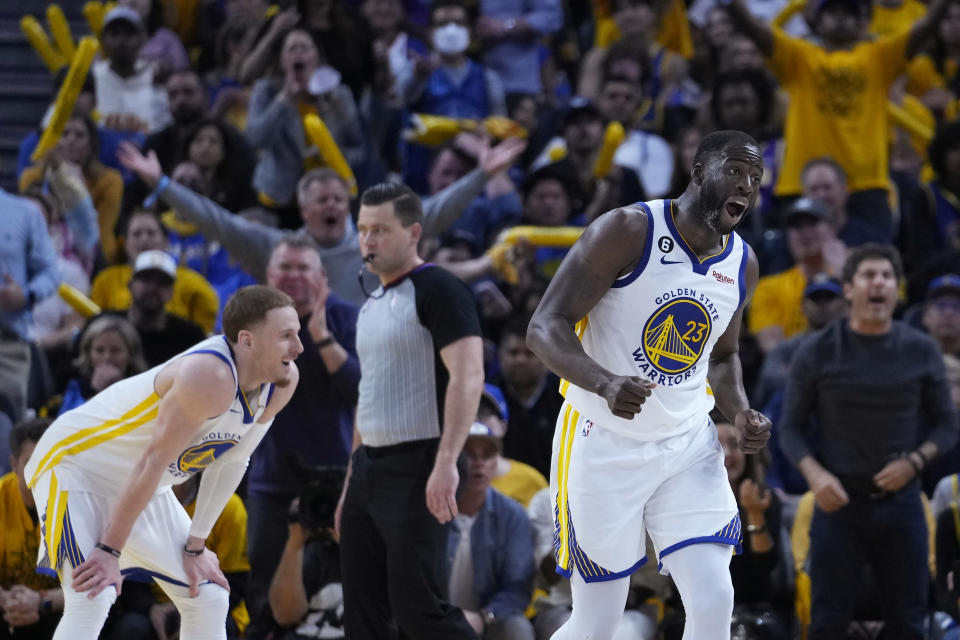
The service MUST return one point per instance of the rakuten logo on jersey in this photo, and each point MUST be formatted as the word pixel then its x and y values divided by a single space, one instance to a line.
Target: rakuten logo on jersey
pixel 722 278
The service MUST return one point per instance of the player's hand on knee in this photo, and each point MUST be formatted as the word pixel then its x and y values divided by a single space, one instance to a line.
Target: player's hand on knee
pixel 204 567
pixel 625 395
pixel 100 570
pixel 754 430
pixel 828 492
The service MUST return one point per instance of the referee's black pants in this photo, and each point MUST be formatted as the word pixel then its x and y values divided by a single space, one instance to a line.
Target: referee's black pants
pixel 390 549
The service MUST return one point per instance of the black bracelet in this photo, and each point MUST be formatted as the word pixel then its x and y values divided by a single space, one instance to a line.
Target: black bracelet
pixel 923 456
pixel 110 550
pixel 193 552
pixel 326 342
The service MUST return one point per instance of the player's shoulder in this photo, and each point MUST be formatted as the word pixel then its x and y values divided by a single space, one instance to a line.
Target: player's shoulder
pixel 627 223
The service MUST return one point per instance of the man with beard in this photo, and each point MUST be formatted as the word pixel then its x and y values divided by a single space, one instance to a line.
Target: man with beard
pixel 163 335
pixel 188 101
pixel 648 300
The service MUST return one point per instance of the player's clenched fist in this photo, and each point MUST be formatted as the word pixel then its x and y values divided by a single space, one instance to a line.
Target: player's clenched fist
pixel 753 429
pixel 625 395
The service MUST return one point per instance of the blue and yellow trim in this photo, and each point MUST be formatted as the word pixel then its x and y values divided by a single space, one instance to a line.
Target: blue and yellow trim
pixel 98 434
pixel 742 273
pixel 699 266
pixel 59 540
pixel 579 329
pixel 567 552
pixel 623 281
pixel 729 534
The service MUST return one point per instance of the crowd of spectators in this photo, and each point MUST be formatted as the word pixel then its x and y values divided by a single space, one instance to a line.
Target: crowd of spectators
pixel 185 171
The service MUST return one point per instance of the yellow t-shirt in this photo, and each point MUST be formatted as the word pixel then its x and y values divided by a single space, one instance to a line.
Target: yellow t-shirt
pixel 20 540
pixel 838 103
pixel 887 21
pixel 923 75
pixel 778 301
pixel 193 297
pixel 521 482
pixel 106 192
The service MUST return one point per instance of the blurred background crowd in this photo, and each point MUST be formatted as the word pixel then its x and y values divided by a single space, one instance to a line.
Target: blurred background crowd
pixel 534 116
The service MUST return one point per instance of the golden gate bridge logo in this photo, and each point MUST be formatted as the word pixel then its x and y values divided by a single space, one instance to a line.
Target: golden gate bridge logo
pixel 675 334
pixel 200 456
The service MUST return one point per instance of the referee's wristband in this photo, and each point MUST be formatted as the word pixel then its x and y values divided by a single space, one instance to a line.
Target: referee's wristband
pixel 114 552
pixel 193 552
pixel 151 199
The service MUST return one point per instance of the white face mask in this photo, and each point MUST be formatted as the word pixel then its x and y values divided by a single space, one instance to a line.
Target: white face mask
pixel 324 79
pixel 451 38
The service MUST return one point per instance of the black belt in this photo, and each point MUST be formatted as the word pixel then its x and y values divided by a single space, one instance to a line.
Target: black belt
pixel 375 453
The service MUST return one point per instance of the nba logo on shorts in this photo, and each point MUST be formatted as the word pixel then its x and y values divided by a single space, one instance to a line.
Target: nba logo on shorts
pixel 587 425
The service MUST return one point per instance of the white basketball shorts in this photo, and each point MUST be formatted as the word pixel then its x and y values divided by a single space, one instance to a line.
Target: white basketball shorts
pixel 71 523
pixel 609 491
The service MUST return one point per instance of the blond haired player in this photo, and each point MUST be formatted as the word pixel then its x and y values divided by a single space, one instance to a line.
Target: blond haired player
pixel 102 473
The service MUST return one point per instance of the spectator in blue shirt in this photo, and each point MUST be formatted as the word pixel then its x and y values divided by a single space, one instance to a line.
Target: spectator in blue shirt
pixel 488 566
pixel 28 274
pixel 510 32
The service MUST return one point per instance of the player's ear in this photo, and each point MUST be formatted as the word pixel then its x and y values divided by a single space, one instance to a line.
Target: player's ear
pixel 696 174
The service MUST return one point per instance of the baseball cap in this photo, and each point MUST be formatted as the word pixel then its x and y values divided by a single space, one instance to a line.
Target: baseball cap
pixel 579 106
pixel 945 285
pixel 123 13
pixel 806 208
pixel 823 283
pixel 156 261
pixel 480 430
pixel 494 397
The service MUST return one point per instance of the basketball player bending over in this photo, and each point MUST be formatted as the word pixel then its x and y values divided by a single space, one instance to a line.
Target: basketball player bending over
pixel 644 310
pixel 102 473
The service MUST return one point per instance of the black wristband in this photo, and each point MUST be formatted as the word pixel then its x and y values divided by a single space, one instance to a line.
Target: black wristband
pixel 326 342
pixel 110 550
pixel 193 552
pixel 923 457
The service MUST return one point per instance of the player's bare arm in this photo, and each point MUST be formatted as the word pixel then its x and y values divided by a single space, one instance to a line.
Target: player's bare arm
pixel 610 247
pixel 726 376
pixel 192 390
pixel 463 359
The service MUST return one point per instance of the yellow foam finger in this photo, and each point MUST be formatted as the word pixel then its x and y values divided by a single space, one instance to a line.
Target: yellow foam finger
pixel 319 136
pixel 612 139
pixel 542 236
pixel 61 31
pixel 67 96
pixel 38 39
pixel 93 12
pixel 79 302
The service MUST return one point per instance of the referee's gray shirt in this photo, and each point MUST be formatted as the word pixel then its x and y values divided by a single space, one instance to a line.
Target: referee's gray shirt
pixel 400 332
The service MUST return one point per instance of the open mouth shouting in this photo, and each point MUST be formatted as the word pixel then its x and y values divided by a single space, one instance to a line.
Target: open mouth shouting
pixel 735 207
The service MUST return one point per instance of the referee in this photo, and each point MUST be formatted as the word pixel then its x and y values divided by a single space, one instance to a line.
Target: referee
pixel 421 364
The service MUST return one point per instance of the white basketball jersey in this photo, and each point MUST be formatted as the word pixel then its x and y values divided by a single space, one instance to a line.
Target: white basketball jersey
pixel 660 322
pixel 96 446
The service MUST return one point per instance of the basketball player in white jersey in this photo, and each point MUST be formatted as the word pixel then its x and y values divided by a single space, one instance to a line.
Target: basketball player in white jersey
pixel 646 308
pixel 102 473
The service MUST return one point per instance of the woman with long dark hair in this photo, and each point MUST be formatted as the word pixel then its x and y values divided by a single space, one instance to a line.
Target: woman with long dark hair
pixel 80 146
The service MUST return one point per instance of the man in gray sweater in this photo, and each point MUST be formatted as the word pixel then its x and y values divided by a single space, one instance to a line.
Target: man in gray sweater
pixel 324 204
pixel 878 393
